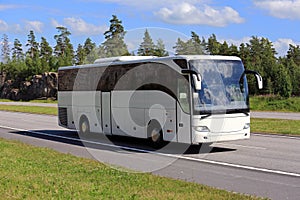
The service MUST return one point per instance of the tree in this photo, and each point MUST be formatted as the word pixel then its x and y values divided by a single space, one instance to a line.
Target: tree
pixel 17 51
pixel 193 46
pixel 197 46
pixel 180 47
pixel 159 49
pixel 88 46
pixel 18 69
pixel 5 50
pixel 147 47
pixel 45 55
pixel 87 53
pixel 64 49
pixel 294 54
pixel 80 55
pixel 292 63
pixel 213 46
pixel 32 45
pixel 114 44
pixel 282 82
pixel 32 55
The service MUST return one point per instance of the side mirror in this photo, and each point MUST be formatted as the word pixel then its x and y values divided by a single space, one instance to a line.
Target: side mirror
pixel 197 81
pixel 196 77
pixel 257 76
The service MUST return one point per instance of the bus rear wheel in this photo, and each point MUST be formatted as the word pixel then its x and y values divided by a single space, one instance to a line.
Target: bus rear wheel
pixel 84 125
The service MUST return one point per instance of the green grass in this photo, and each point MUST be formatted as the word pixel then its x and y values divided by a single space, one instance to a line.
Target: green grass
pixel 30 109
pixel 275 103
pixel 32 101
pixel 279 126
pixel 28 172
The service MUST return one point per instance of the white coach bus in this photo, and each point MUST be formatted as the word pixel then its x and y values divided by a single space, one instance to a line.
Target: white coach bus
pixel 186 99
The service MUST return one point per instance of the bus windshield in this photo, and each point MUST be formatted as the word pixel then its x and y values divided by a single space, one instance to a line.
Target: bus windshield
pixel 224 87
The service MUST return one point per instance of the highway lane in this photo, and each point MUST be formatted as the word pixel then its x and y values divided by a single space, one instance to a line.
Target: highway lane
pixel 264 166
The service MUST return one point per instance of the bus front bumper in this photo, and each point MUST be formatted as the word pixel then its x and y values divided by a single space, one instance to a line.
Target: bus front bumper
pixel 209 137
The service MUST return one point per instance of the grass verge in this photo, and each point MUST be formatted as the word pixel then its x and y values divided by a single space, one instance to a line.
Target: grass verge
pixel 30 109
pixel 275 103
pixel 32 101
pixel 279 126
pixel 40 173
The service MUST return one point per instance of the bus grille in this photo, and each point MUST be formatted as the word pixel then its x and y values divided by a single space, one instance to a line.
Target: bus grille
pixel 63 116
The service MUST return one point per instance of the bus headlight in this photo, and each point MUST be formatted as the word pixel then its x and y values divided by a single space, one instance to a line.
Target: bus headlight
pixel 247 126
pixel 202 128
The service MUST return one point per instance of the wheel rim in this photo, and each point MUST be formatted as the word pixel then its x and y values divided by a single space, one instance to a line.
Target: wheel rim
pixel 84 127
pixel 155 135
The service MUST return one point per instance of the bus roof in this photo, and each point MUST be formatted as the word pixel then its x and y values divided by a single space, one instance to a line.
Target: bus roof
pixel 134 59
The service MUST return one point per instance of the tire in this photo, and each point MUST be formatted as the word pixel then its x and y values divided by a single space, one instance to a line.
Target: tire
pixel 155 134
pixel 84 125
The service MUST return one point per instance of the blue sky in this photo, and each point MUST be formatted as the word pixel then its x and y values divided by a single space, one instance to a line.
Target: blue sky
pixel 231 20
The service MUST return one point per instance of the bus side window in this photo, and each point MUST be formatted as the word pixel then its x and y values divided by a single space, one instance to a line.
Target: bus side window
pixel 183 94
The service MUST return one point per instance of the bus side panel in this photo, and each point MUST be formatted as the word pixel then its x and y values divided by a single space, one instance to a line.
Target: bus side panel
pixel 88 104
pixel 128 109
pixel 65 110
pixel 183 126
pixel 161 107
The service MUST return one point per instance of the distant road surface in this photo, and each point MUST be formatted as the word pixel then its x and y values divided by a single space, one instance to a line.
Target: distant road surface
pixel 265 165
pixel 275 115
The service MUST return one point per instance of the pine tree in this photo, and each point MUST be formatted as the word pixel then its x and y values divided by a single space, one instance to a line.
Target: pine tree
pixel 64 49
pixel 114 44
pixel 193 46
pixel 32 55
pixel 213 46
pixel 17 51
pixel 159 49
pixel 5 50
pixel 180 47
pixel 80 55
pixel 147 47
pixel 45 55
pixel 88 46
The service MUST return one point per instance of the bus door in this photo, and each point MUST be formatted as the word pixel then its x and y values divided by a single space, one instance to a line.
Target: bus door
pixel 183 112
pixel 106 112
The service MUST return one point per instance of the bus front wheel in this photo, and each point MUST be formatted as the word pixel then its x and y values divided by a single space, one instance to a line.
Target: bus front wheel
pixel 84 125
pixel 155 134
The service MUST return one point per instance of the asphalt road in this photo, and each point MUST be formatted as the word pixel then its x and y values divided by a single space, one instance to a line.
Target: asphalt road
pixel 267 166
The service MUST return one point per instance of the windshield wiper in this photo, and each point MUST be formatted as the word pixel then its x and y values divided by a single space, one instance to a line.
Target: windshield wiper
pixel 233 111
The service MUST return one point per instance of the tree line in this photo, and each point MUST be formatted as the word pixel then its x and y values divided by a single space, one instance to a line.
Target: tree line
pixel 281 75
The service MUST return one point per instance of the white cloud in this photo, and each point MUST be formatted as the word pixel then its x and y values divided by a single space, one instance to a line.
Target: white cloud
pixel 36 26
pixel 55 23
pixel 12 28
pixel 282 45
pixel 79 27
pixel 3 26
pixel 149 5
pixel 285 9
pixel 187 13
pixel 8 6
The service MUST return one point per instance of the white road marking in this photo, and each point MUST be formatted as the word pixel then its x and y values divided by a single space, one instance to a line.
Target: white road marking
pixel 243 146
pixel 164 154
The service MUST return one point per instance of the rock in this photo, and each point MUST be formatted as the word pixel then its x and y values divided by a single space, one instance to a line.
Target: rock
pixel 40 86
